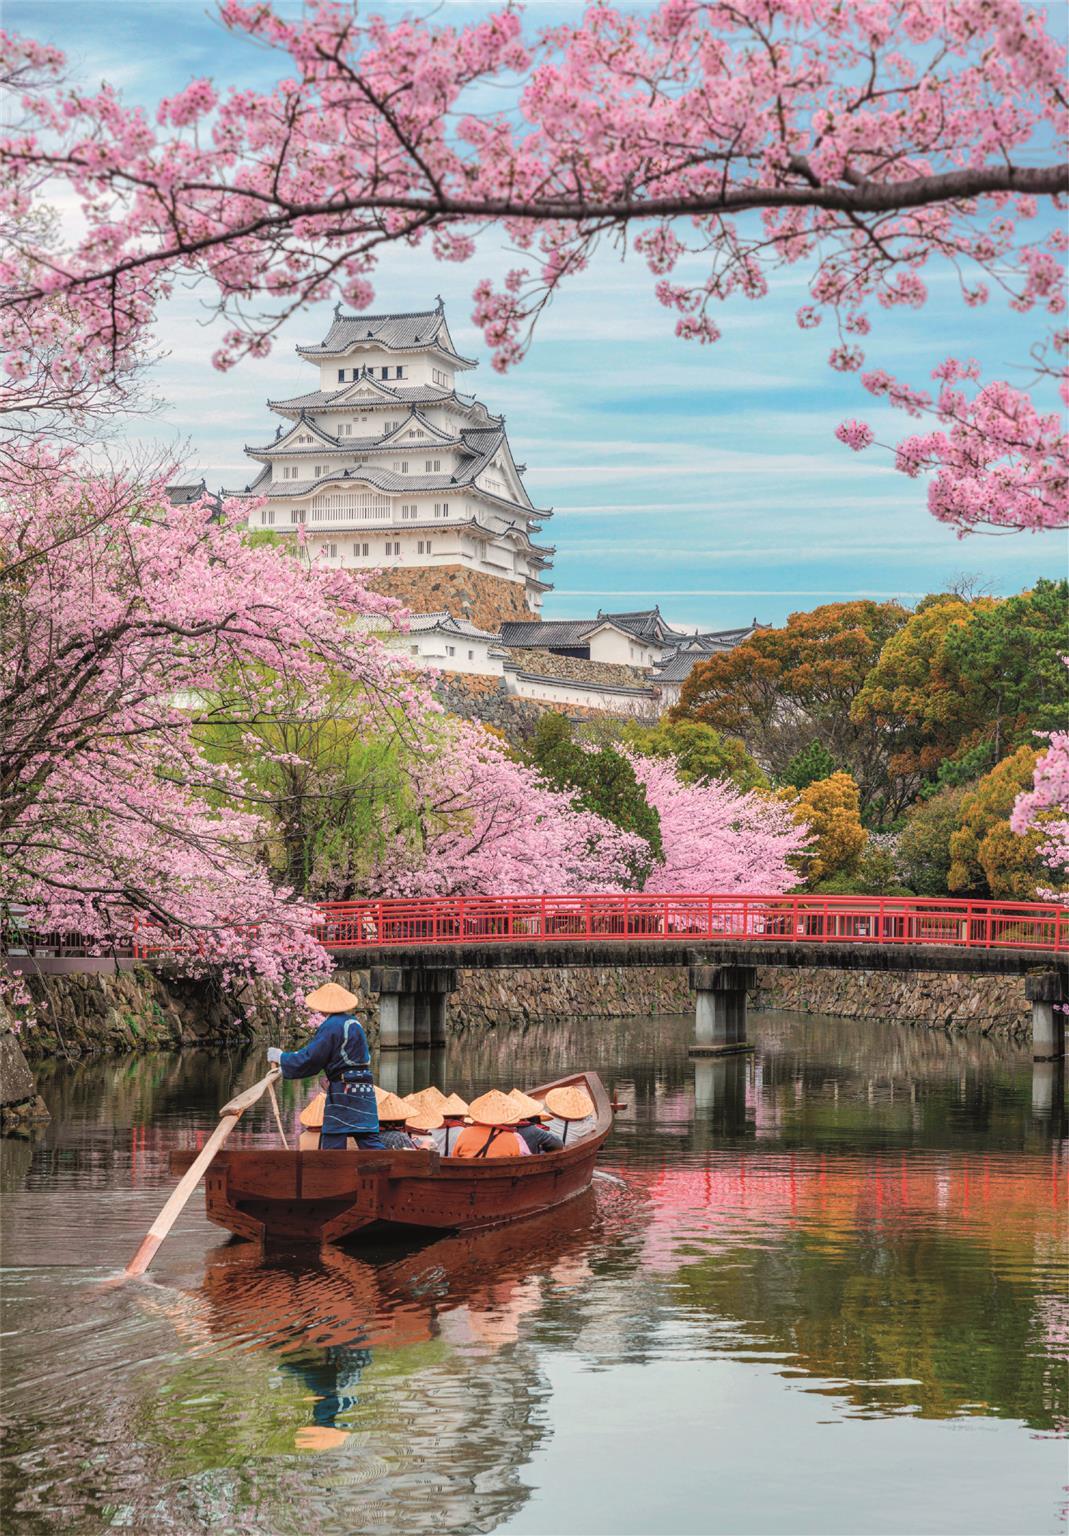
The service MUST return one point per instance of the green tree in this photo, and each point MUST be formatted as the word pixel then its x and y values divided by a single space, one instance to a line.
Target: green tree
pixel 1009 658
pixel 330 790
pixel 806 767
pixel 599 779
pixel 924 842
pixel 700 752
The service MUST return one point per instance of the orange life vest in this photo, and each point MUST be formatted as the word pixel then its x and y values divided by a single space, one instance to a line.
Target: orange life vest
pixel 473 1140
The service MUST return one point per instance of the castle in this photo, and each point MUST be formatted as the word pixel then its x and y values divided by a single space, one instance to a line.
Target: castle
pixel 387 467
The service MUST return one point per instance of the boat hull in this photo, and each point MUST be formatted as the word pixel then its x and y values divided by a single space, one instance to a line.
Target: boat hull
pixel 326 1197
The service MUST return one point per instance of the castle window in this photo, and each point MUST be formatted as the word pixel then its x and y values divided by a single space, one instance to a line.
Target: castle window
pixel 471 655
pixel 433 466
pixel 399 373
pixel 361 549
pixel 319 470
pixel 267 517
pixel 297 514
pixel 330 551
pixel 450 650
pixel 385 373
pixel 341 375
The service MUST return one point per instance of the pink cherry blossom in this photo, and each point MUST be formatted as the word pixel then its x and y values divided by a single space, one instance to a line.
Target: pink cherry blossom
pixel 871 145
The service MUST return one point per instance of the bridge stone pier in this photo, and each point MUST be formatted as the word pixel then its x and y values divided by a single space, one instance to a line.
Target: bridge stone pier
pixel 720 1007
pixel 1048 992
pixel 413 1005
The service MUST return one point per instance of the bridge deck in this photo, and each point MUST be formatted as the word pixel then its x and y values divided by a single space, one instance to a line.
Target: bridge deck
pixel 608 953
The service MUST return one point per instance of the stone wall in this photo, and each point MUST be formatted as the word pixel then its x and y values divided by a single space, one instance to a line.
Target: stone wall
pixel 576 669
pixel 487 601
pixel 138 1010
pixel 955 1000
pixel 485 998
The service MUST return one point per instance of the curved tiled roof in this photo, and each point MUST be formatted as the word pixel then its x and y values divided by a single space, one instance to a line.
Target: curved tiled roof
pixel 407 331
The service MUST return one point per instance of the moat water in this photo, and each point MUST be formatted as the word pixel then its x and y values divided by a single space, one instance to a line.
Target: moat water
pixel 817 1289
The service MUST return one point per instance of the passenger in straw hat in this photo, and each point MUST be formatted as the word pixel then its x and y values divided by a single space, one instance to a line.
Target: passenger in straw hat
pixel 530 1129
pixel 430 1099
pixel 393 1112
pixel 421 1125
pixel 339 1049
pixel 491 1133
pixel 573 1112
pixel 454 1112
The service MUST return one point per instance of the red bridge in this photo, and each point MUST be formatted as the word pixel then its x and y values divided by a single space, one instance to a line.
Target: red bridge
pixel 760 920
pixel 413 949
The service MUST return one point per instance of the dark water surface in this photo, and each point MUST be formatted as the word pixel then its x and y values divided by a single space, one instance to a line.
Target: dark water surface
pixel 820 1289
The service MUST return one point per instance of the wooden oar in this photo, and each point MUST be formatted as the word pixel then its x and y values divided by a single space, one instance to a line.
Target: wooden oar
pixel 229 1116
pixel 273 1096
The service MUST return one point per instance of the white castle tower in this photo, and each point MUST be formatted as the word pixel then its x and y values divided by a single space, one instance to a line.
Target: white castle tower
pixel 387 466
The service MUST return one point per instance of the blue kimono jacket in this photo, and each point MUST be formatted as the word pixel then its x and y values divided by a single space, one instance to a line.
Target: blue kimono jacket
pixel 339 1049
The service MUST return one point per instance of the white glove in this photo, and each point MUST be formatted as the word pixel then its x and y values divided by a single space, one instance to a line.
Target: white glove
pixel 274 1054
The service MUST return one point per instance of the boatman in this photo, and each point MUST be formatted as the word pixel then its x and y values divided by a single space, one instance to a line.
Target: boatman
pixel 339 1049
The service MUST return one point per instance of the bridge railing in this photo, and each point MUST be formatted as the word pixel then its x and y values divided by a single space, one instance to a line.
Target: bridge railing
pixel 793 919
pixel 801 919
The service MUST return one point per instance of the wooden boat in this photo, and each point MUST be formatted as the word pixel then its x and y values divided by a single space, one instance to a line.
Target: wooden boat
pixel 325 1197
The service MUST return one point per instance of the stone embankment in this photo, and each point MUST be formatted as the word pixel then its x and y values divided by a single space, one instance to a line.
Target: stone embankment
pixel 956 1000
pixel 143 1010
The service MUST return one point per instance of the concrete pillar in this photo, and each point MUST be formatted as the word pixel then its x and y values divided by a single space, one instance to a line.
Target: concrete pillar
pixel 438 1017
pixel 406 1021
pixel 1048 993
pixel 421 1021
pixel 720 1007
pixel 389 1019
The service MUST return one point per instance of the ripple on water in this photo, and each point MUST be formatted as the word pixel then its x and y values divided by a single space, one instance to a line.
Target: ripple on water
pixel 896 1257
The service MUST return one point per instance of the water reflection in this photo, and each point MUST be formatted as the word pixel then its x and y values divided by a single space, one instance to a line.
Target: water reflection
pixel 863 1214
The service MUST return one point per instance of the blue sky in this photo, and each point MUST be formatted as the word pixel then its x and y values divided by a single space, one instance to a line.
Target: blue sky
pixel 707 479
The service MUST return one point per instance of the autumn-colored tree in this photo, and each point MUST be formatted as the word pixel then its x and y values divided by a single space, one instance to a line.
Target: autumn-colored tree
pixel 700 753
pixel 782 688
pixel 830 808
pixel 924 842
pixel 986 856
pixel 917 696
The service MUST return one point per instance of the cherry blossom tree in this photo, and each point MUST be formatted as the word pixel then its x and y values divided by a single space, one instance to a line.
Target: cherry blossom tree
pixel 1045 809
pixel 130 625
pixel 487 825
pixel 718 838
pixel 865 143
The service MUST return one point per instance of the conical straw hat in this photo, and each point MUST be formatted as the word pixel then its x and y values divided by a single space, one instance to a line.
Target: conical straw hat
pixel 570 1103
pixel 530 1108
pixel 330 998
pixel 494 1108
pixel 312 1113
pixel 390 1106
pixel 453 1108
pixel 424 1120
pixel 427 1098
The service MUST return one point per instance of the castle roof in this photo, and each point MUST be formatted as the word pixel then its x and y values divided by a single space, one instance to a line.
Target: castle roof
pixel 421 623
pixel 408 331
